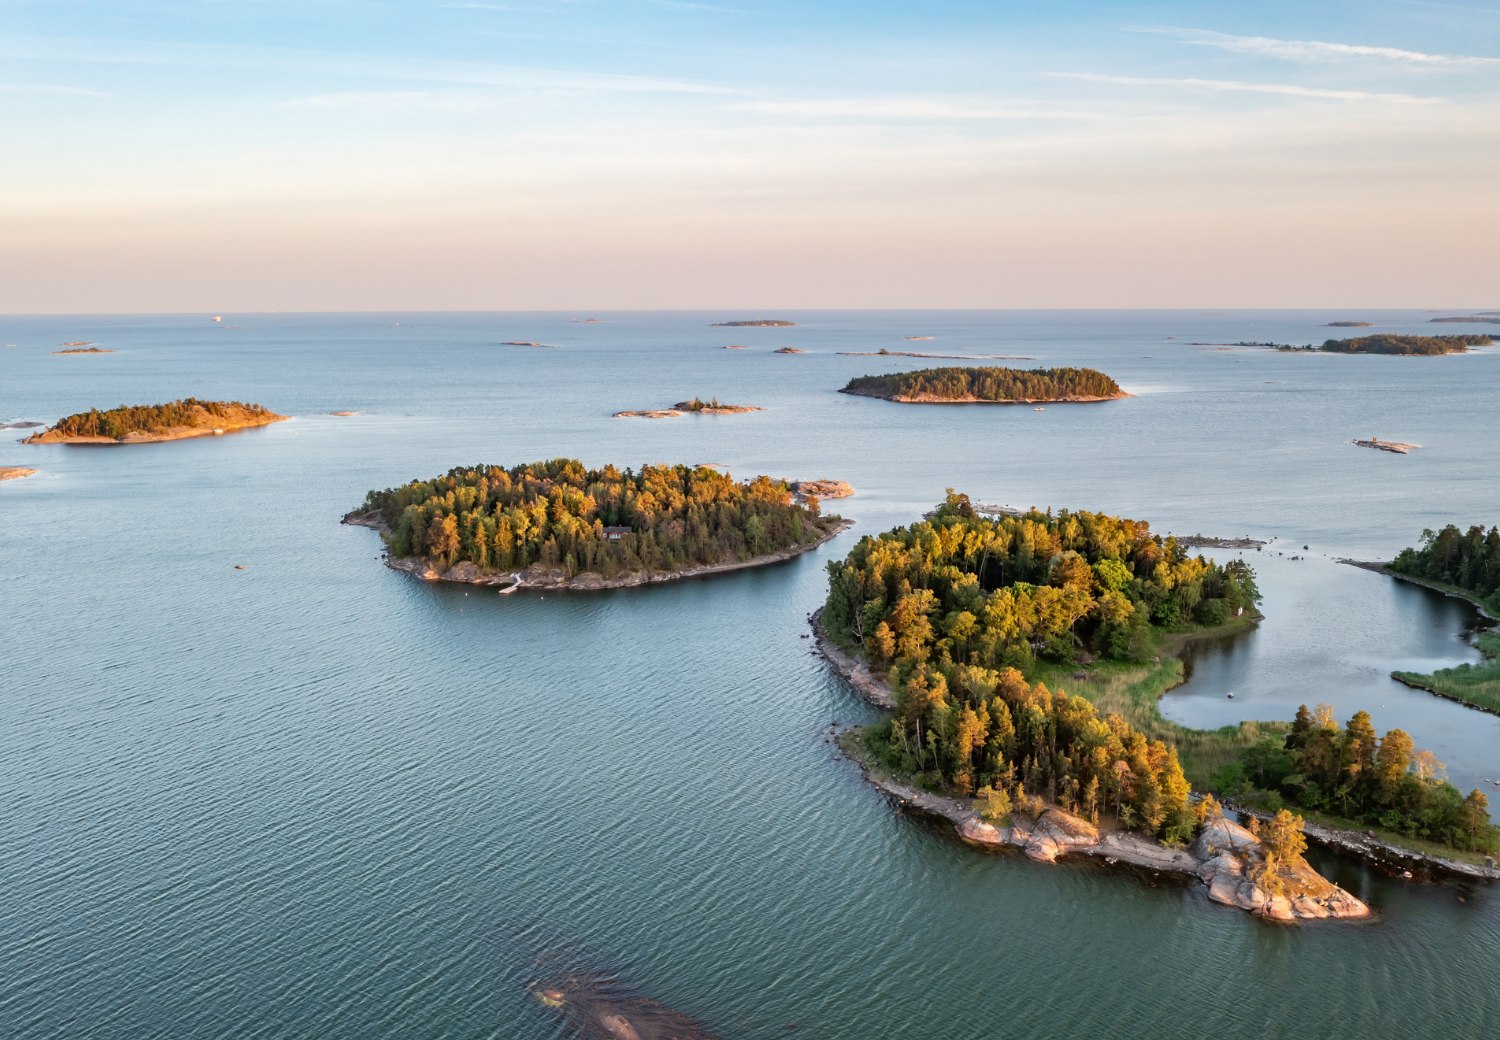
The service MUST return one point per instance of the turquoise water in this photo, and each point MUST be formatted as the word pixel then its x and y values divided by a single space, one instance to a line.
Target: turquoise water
pixel 319 798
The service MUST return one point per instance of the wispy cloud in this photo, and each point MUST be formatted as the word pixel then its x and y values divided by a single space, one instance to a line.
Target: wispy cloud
pixel 1312 50
pixel 393 99
pixel 1224 86
pixel 904 108
pixel 52 88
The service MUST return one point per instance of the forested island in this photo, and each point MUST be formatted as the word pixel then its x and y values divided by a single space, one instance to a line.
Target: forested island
pixel 988 385
pixel 968 627
pixel 557 524
pixel 1465 564
pixel 1482 318
pixel 141 424
pixel 1349 324
pixel 1390 343
pixel 757 323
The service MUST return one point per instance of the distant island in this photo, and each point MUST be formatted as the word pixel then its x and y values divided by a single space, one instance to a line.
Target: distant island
pixel 84 350
pixel 1390 343
pixel 526 343
pixel 882 352
pixel 697 406
pixel 558 525
pixel 78 343
pixel 15 472
pixel 967 628
pixel 142 424
pixel 989 385
pixel 1349 324
pixel 789 350
pixel 758 323
pixel 1482 318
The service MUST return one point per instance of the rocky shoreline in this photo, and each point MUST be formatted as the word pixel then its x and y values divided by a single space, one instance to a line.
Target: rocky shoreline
pixel 971 399
pixel 1384 568
pixel 175 433
pixel 553 579
pixel 1133 850
pixel 1222 857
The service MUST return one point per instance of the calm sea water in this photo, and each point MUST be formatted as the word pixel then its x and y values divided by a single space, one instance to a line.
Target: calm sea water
pixel 319 798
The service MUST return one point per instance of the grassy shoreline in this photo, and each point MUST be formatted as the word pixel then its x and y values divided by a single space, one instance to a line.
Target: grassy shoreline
pixel 1472 685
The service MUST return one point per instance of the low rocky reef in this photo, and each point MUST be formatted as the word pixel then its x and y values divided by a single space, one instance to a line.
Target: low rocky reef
pixel 935 357
pixel 15 472
pixel 84 350
pixel 694 407
pixel 821 489
pixel 789 350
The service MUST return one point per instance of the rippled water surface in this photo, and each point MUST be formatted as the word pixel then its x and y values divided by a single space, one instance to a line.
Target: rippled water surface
pixel 319 798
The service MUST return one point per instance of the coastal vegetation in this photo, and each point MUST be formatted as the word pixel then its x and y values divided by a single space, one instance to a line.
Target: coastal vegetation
pixel 1465 562
pixel 698 406
pixel 609 521
pixel 989 384
pixel 1477 685
pixel 1390 343
pixel 978 625
pixel 1350 772
pixel 188 417
pixel 955 607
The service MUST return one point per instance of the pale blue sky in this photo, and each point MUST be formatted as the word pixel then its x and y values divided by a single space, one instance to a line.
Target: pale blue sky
pixel 593 154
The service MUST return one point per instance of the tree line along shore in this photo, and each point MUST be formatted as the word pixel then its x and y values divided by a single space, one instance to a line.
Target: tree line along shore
pixel 1464 564
pixel 558 523
pixel 175 420
pixel 974 626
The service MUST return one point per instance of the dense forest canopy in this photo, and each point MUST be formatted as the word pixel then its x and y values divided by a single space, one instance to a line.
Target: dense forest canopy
pixel 989 383
pixel 1349 771
pixel 557 513
pixel 1390 343
pixel 975 729
pixel 1001 591
pixel 159 418
pixel 958 605
pixel 1468 559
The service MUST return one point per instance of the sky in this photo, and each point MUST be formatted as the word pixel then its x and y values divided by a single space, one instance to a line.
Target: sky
pixel 349 155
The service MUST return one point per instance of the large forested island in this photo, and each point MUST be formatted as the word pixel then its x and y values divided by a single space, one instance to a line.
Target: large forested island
pixel 141 424
pixel 959 623
pixel 1390 343
pixel 557 524
pixel 988 385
